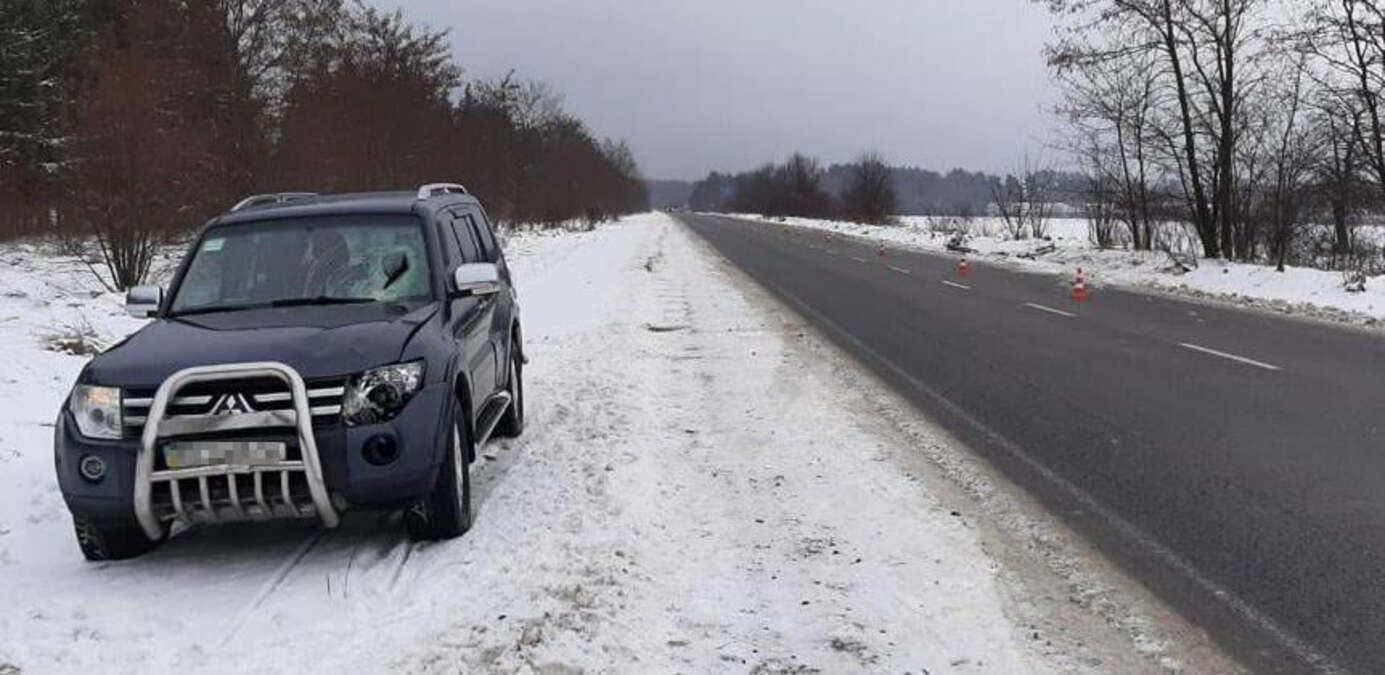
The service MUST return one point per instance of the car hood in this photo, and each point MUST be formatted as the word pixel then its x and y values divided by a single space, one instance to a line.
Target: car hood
pixel 318 342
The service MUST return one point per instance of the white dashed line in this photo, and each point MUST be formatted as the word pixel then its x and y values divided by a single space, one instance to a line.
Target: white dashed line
pixel 1051 310
pixel 901 270
pixel 860 260
pixel 1233 357
pixel 956 285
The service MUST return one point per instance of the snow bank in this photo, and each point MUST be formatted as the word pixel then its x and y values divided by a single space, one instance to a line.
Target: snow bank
pixel 1297 290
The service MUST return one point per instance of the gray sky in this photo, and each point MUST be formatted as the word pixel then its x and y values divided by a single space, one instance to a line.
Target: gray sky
pixel 695 85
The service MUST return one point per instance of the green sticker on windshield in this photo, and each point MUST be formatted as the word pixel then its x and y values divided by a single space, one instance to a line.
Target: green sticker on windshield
pixel 212 245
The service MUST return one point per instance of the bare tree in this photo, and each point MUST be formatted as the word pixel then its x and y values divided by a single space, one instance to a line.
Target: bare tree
pixel 870 196
pixel 1293 146
pixel 1110 105
pixel 1202 46
pixel 801 178
pixel 1025 202
pixel 1337 170
pixel 1347 37
pixel 145 142
pixel 1100 206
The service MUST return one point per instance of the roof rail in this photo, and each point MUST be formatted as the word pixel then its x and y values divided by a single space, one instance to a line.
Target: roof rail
pixel 272 198
pixel 433 189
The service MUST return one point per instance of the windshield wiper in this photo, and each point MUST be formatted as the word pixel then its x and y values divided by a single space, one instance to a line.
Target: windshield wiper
pixel 213 310
pixel 319 300
pixel 282 302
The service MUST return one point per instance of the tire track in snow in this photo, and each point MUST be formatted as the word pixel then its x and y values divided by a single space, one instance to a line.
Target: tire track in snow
pixel 398 569
pixel 272 584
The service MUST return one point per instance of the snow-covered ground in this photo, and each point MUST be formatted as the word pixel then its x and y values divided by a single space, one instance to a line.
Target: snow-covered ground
pixel 704 486
pixel 1297 290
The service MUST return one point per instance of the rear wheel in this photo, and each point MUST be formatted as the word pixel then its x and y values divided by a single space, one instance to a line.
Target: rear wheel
pixel 445 512
pixel 511 424
pixel 106 542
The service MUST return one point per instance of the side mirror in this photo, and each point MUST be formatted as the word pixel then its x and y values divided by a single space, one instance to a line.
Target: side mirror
pixel 476 279
pixel 143 301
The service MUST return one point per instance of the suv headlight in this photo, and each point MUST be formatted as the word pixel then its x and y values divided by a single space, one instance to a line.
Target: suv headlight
pixel 97 411
pixel 378 395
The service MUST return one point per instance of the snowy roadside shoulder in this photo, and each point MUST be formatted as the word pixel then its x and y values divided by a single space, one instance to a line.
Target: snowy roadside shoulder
pixel 1298 291
pixel 729 507
pixel 699 524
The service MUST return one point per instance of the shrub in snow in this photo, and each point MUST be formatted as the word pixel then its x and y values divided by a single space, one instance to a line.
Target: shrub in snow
pixel 958 242
pixel 75 340
pixel 1181 263
pixel 1354 281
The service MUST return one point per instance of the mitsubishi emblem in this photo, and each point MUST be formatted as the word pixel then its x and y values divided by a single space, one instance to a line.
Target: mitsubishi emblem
pixel 231 404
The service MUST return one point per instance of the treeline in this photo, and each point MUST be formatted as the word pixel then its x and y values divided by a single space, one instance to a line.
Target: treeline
pixel 777 189
pixel 797 187
pixel 955 193
pixel 124 122
pixel 1257 123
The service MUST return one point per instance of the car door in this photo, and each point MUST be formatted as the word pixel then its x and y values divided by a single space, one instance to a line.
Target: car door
pixel 505 304
pixel 473 317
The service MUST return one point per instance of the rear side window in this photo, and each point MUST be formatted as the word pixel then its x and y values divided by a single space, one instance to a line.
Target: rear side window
pixel 449 242
pixel 466 240
pixel 486 236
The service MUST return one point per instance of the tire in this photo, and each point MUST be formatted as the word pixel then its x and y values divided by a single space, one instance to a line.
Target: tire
pixel 511 424
pixel 445 512
pixel 100 543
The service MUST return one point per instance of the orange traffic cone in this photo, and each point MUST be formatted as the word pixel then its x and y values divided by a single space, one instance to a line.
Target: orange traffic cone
pixel 1079 287
pixel 882 251
pixel 963 267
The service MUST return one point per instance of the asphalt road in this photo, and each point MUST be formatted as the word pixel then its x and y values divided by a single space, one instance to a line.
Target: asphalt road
pixel 1232 460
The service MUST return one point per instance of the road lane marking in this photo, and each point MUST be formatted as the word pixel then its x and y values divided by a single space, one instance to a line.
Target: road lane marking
pixel 860 260
pixel 1278 633
pixel 901 270
pixel 956 285
pixel 1233 357
pixel 1050 310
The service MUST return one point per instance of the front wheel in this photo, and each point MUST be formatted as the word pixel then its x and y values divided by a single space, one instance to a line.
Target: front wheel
pixel 512 422
pixel 445 512
pixel 100 542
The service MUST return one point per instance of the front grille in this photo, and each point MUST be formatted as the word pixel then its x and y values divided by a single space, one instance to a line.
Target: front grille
pixel 261 394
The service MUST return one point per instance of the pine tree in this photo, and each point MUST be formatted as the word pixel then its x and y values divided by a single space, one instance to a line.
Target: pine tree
pixel 37 43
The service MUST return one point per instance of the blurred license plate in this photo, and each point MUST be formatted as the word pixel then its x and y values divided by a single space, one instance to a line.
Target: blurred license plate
pixel 191 454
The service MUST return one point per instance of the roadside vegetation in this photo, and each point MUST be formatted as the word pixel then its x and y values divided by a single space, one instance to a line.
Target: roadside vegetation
pixel 1253 124
pixel 127 123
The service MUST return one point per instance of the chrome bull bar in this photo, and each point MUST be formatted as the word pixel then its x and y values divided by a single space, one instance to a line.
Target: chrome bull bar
pixel 299 418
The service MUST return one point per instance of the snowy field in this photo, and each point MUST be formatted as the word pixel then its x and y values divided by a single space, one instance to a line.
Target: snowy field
pixel 1297 290
pixel 670 509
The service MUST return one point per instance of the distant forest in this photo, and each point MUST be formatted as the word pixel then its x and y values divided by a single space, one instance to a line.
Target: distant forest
pixel 917 191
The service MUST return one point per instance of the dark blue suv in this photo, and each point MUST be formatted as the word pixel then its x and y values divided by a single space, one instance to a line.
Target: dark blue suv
pixel 314 354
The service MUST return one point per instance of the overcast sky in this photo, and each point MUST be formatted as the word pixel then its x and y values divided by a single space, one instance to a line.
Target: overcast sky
pixel 695 85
